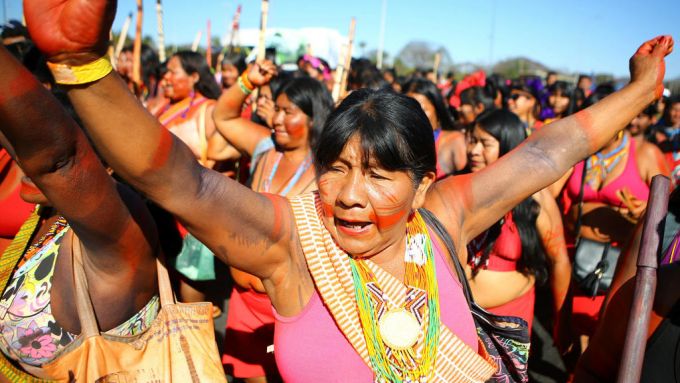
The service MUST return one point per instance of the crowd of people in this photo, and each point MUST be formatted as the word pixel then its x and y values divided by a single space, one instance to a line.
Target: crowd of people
pixel 324 210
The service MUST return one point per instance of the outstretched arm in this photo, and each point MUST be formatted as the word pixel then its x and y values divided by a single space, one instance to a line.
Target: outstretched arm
pixel 247 230
pixel 243 134
pixel 114 227
pixel 477 202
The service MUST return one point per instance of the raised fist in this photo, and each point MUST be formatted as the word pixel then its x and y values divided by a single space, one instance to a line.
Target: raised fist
pixel 647 65
pixel 72 32
pixel 261 73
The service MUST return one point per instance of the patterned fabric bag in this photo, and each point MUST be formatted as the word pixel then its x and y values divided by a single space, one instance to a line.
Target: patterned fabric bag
pixel 506 338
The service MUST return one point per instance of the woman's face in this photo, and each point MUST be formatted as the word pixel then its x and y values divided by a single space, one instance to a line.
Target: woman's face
pixel 521 103
pixel 229 75
pixel 675 115
pixel 178 84
pixel 366 210
pixel 428 108
pixel 639 124
pixel 558 102
pixel 482 149
pixel 291 125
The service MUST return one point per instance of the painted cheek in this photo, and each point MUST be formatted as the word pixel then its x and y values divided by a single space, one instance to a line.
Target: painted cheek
pixel 296 128
pixel 392 213
pixel 162 152
pixel 326 190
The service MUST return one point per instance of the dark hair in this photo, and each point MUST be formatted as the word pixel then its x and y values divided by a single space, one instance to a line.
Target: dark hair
pixel 429 89
pixel 600 92
pixel 667 108
pixel 235 59
pixel 509 131
pixel 313 98
pixel 524 87
pixel 566 90
pixel 393 129
pixel 193 62
pixel 150 67
pixel 477 95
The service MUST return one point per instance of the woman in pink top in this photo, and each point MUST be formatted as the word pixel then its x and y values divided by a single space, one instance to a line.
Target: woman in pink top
pixel 348 243
pixel 615 191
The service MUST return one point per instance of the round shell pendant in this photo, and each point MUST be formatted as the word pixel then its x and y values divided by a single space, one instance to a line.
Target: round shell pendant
pixel 399 329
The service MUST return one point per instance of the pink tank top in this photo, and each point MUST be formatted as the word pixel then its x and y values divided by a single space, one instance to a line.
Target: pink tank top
pixel 630 178
pixel 309 347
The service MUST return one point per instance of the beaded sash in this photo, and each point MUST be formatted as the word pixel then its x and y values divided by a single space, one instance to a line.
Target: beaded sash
pixel 330 270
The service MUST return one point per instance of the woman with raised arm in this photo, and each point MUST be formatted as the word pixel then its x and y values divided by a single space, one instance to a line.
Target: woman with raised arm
pixel 319 254
pixel 281 164
pixel 512 252
pixel 80 205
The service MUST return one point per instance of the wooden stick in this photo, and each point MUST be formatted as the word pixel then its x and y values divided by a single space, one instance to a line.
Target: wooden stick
pixel 123 36
pixel 161 34
pixel 339 73
pixel 197 40
pixel 260 45
pixel 110 52
pixel 435 67
pixel 234 30
pixel 263 30
pixel 208 50
pixel 645 282
pixel 348 58
pixel 137 47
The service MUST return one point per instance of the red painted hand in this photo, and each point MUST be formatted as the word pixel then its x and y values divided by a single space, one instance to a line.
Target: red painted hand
pixel 647 65
pixel 73 32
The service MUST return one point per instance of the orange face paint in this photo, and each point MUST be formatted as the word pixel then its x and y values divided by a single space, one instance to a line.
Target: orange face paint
pixel 162 153
pixel 387 216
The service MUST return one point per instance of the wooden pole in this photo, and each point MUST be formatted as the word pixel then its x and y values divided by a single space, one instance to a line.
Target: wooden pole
pixel 645 282
pixel 161 34
pixel 381 39
pixel 339 73
pixel 197 40
pixel 234 30
pixel 123 36
pixel 261 41
pixel 348 58
pixel 110 52
pixel 435 67
pixel 208 50
pixel 137 47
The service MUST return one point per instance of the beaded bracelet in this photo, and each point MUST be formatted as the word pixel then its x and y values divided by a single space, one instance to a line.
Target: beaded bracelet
pixel 81 74
pixel 243 87
pixel 246 81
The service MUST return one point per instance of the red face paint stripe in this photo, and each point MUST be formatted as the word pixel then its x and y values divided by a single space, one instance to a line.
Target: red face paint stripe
pixel 162 153
pixel 389 220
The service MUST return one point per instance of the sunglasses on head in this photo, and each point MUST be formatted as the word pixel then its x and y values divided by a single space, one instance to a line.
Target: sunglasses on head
pixel 515 96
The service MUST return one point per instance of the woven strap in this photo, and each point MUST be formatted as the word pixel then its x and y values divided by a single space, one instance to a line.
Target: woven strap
pixel 8 262
pixel 330 270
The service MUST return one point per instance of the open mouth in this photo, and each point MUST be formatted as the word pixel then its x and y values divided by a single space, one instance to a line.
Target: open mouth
pixel 352 227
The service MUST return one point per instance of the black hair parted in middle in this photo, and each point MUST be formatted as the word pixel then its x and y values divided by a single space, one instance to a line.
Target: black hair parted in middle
pixel 393 129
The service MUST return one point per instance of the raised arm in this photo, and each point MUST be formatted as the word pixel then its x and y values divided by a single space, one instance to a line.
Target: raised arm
pixel 477 201
pixel 247 230
pixel 116 230
pixel 243 134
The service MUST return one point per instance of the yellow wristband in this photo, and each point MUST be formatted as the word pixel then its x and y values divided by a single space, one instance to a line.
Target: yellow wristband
pixel 74 75
pixel 246 82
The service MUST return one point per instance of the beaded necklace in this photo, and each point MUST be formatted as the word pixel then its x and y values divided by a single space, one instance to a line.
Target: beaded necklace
pixel 392 333
pixel 599 165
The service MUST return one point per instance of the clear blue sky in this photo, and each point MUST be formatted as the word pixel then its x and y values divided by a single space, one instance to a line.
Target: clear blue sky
pixel 579 35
